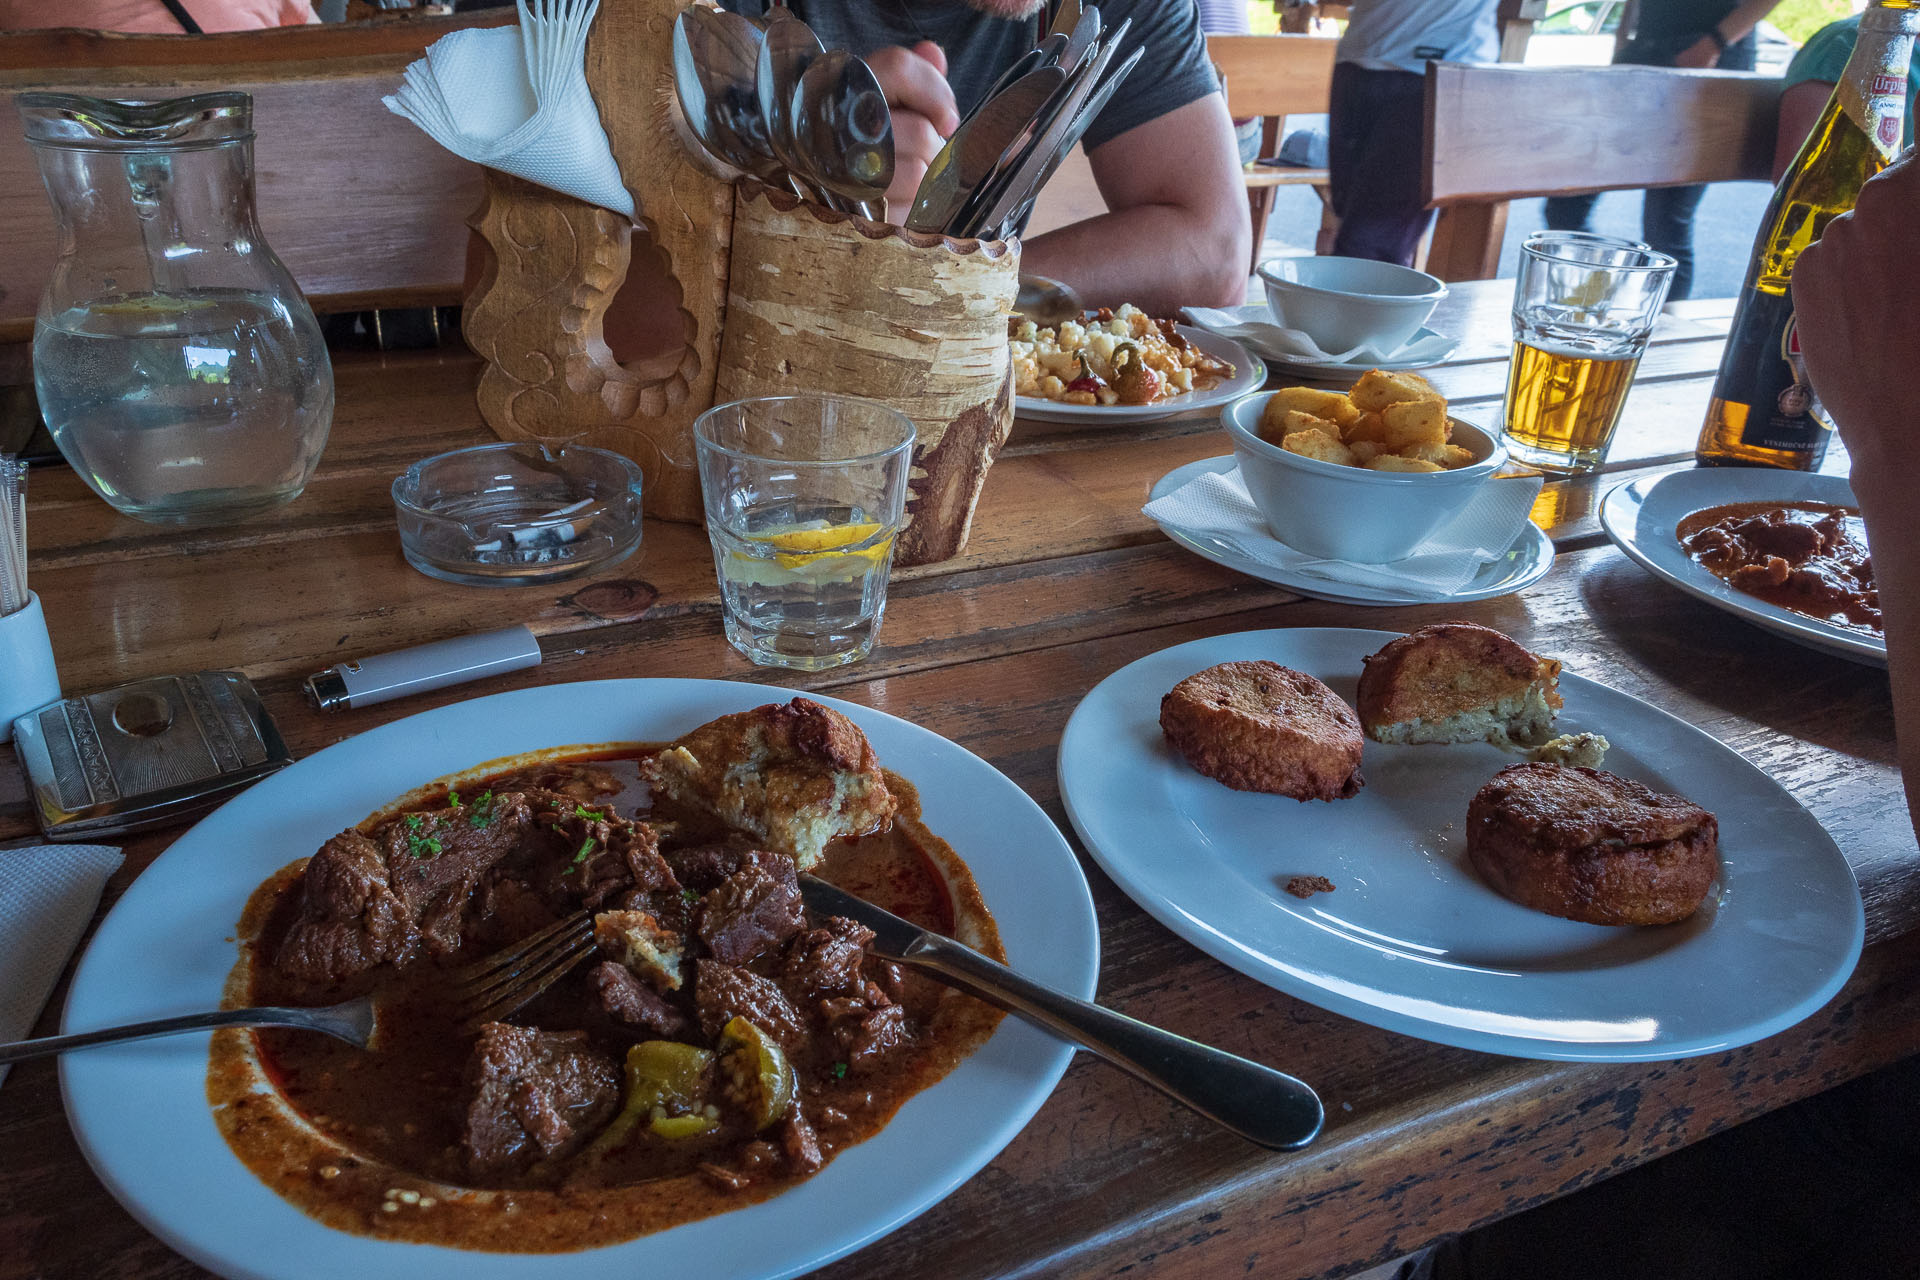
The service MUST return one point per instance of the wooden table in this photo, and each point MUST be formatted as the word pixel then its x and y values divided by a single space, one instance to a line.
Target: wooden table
pixel 1064 582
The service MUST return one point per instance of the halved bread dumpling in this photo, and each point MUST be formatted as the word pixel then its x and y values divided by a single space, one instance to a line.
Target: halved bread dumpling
pixel 1459 682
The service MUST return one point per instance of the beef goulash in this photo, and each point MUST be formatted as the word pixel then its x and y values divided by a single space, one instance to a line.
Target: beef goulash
pixel 1810 557
pixel 723 1043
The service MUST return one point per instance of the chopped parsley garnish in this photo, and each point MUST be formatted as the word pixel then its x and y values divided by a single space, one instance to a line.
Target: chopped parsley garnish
pixel 419 844
pixel 585 849
pixel 481 810
pixel 453 798
pixel 688 895
pixel 839 1071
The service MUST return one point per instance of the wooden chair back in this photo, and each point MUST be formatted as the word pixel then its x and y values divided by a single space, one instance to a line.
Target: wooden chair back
pixel 1275 76
pixel 363 207
pixel 1503 132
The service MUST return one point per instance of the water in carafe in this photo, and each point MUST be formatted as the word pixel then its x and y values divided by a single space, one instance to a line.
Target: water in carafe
pixel 180 370
pixel 175 405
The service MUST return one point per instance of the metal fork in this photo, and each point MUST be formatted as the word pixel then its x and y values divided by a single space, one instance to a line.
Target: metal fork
pixel 485 991
pixel 492 989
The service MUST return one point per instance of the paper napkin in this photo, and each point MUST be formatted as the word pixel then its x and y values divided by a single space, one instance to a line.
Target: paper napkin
pixel 1217 507
pixel 47 896
pixel 516 99
pixel 1253 326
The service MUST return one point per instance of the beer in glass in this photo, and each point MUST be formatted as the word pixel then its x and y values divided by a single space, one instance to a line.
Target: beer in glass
pixel 1583 308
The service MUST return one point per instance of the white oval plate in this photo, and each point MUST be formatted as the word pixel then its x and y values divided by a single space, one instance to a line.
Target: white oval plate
pixel 1249 374
pixel 140 1110
pixel 1411 939
pixel 1524 563
pixel 1642 517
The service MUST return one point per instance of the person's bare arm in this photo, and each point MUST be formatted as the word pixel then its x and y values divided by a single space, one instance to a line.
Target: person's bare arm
pixel 1853 308
pixel 1704 53
pixel 1800 107
pixel 1176 232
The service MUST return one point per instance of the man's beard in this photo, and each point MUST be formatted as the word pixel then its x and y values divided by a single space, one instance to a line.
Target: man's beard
pixel 1012 10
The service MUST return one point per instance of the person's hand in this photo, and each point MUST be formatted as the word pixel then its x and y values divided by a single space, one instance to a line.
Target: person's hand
pixel 924 112
pixel 1702 55
pixel 1853 298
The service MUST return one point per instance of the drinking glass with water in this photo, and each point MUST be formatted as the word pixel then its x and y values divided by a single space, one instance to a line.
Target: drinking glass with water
pixel 805 496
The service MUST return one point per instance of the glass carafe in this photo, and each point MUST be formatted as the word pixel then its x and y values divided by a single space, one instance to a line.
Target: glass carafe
pixel 178 366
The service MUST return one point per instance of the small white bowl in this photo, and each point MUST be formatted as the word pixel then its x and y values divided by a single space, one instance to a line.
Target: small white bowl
pixel 1350 513
pixel 1342 303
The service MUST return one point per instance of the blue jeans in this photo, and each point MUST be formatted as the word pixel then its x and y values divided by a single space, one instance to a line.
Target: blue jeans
pixel 1666 223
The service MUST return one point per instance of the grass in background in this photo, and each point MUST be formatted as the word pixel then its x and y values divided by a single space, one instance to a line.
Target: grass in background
pixel 1799 19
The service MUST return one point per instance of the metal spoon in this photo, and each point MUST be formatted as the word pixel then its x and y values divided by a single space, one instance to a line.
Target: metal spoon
pixel 842 125
pixel 725 52
pixel 688 84
pixel 790 46
pixel 1047 302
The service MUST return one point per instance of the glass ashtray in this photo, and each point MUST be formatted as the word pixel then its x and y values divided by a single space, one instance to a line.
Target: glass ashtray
pixel 517 514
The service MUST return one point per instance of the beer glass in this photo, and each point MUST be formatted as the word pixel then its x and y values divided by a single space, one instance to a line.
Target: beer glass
pixel 1583 308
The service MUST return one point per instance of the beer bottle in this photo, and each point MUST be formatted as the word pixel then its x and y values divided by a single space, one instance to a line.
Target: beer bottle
pixel 1764 412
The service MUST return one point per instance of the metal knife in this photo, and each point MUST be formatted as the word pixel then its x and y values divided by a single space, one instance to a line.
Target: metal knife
pixel 975 148
pixel 1258 1103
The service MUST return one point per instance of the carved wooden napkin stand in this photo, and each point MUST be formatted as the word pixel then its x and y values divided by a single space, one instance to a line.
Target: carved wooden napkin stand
pixel 773 296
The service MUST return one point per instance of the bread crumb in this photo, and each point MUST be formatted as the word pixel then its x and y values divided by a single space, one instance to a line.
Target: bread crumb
pixel 1307 886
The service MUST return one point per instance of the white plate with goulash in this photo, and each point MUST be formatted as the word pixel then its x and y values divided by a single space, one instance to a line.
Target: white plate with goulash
pixel 730 1084
pixel 1125 366
pixel 1784 550
pixel 1447 836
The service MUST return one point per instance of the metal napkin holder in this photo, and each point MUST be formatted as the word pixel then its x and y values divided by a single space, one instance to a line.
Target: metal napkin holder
pixel 147 754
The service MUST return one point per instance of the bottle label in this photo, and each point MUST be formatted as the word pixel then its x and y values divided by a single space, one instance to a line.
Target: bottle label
pixel 1763 370
pixel 1873 89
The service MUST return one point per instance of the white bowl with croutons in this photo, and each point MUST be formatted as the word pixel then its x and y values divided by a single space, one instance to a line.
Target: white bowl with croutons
pixel 1365 476
pixel 1344 303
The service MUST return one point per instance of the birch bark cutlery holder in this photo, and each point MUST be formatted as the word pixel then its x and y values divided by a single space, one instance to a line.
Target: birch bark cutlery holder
pixel 773 296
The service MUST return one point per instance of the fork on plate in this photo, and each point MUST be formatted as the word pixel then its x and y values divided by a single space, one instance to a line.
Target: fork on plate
pixel 484 991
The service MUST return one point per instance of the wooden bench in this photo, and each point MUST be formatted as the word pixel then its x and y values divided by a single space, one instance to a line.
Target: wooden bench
pixel 363 207
pixel 1503 132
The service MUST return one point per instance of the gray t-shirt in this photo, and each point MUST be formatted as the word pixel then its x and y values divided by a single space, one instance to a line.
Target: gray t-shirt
pixel 1403 35
pixel 1174 72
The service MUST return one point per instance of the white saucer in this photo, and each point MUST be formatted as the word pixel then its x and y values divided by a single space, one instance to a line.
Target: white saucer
pixel 1525 563
pixel 1354 368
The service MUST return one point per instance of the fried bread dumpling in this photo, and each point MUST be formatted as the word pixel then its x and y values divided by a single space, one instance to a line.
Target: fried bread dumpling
pixel 796 776
pixel 1458 682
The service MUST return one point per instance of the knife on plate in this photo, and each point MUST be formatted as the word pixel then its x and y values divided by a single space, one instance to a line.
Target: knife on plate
pixel 1260 1104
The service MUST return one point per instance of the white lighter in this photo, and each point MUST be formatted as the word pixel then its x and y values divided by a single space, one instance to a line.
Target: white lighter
pixel 386 676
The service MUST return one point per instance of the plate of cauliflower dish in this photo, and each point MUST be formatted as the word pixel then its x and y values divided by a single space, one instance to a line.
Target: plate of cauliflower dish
pixel 1124 366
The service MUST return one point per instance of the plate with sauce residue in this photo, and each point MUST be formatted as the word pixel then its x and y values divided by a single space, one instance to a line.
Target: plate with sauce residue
pixel 140 1110
pixel 1643 518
